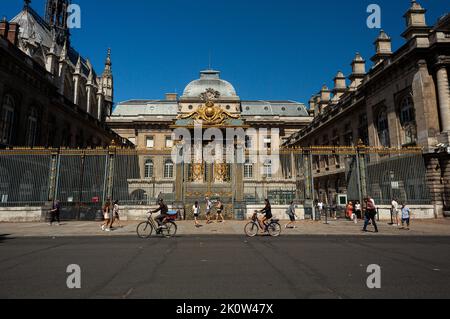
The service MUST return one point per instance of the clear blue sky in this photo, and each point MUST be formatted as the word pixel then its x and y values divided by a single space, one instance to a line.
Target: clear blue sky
pixel 268 49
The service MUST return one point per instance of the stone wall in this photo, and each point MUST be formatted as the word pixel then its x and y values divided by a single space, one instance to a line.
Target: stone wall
pixel 21 214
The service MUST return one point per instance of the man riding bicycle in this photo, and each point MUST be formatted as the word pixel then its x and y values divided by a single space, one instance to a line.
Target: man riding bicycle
pixel 267 212
pixel 163 209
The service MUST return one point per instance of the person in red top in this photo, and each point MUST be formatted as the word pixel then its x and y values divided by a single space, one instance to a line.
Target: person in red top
pixel 349 210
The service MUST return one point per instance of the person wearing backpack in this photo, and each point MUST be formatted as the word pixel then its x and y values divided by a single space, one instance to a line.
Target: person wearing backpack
pixel 371 213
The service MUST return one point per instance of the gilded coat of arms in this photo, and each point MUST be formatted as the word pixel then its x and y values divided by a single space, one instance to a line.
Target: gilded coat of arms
pixel 209 113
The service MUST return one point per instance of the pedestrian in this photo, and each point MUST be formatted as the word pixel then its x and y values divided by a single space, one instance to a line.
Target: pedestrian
pixel 292 216
pixel 371 212
pixel 220 209
pixel 320 208
pixel 358 211
pixel 406 216
pixel 115 214
pixel 394 212
pixel 106 215
pixel 55 213
pixel 196 210
pixel 349 211
pixel 208 210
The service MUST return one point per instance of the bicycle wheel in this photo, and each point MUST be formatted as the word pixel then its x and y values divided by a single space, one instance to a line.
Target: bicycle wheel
pixel 274 229
pixel 251 229
pixel 170 230
pixel 144 230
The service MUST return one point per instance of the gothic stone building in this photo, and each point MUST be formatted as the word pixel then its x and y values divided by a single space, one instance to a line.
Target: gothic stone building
pixel 149 124
pixel 50 95
pixel 403 100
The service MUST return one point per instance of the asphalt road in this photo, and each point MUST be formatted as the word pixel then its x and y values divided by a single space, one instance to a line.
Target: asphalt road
pixel 226 267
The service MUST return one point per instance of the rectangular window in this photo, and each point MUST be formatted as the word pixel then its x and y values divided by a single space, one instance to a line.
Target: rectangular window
pixel 248 170
pixel 268 143
pixel 169 142
pixel 150 143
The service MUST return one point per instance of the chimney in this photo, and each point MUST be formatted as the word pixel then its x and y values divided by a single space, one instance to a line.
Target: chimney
pixel 325 97
pixel 312 106
pixel 383 48
pixel 358 71
pixel 4 28
pixel 416 24
pixel 13 33
pixel 340 86
pixel 171 97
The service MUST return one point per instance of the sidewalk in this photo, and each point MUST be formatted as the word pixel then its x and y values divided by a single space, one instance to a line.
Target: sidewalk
pixel 439 227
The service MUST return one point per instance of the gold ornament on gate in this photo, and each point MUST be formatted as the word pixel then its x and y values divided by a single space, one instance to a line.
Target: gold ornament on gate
pixel 209 113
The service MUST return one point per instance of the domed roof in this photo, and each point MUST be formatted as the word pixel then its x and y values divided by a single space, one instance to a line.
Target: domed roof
pixel 209 79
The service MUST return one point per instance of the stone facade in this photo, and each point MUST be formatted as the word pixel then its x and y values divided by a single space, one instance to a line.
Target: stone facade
pixel 403 100
pixel 150 124
pixel 47 89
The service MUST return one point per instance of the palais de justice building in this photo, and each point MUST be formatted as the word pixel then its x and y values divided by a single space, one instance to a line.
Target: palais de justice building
pixel 213 101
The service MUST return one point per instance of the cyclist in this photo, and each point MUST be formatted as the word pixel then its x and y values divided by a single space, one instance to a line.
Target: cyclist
pixel 267 212
pixel 163 209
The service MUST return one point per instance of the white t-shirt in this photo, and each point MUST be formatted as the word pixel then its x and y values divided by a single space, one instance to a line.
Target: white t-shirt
pixel 394 206
pixel 208 206
pixel 358 207
pixel 320 205
pixel 196 210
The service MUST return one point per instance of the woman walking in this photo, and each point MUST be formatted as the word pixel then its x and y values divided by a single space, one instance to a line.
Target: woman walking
pixel 219 209
pixel 196 210
pixel 115 214
pixel 106 215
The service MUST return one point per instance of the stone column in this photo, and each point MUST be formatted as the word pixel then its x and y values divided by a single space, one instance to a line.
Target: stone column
pixel 434 184
pixel 444 97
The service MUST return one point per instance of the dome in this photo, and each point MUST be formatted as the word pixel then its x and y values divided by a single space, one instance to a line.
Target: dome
pixel 209 79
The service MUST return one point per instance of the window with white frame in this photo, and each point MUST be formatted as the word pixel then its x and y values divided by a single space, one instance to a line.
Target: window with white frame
pixel 150 142
pixel 248 169
pixel 168 169
pixel 267 169
pixel 149 167
pixel 169 142
pixel 6 120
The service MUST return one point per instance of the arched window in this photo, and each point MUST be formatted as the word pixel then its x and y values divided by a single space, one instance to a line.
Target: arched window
pixel 6 120
pixel 32 124
pixel 168 169
pixel 248 169
pixel 148 168
pixel 268 169
pixel 383 129
pixel 408 121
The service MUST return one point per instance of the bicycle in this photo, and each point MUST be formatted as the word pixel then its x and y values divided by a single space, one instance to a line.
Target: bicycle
pixel 168 229
pixel 252 228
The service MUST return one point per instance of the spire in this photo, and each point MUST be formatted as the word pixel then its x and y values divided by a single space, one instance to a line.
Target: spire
pixel 78 66
pixel 108 64
pixel 26 3
pixel 64 52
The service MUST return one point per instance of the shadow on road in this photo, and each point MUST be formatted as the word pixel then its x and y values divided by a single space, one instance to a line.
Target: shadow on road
pixel 4 237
